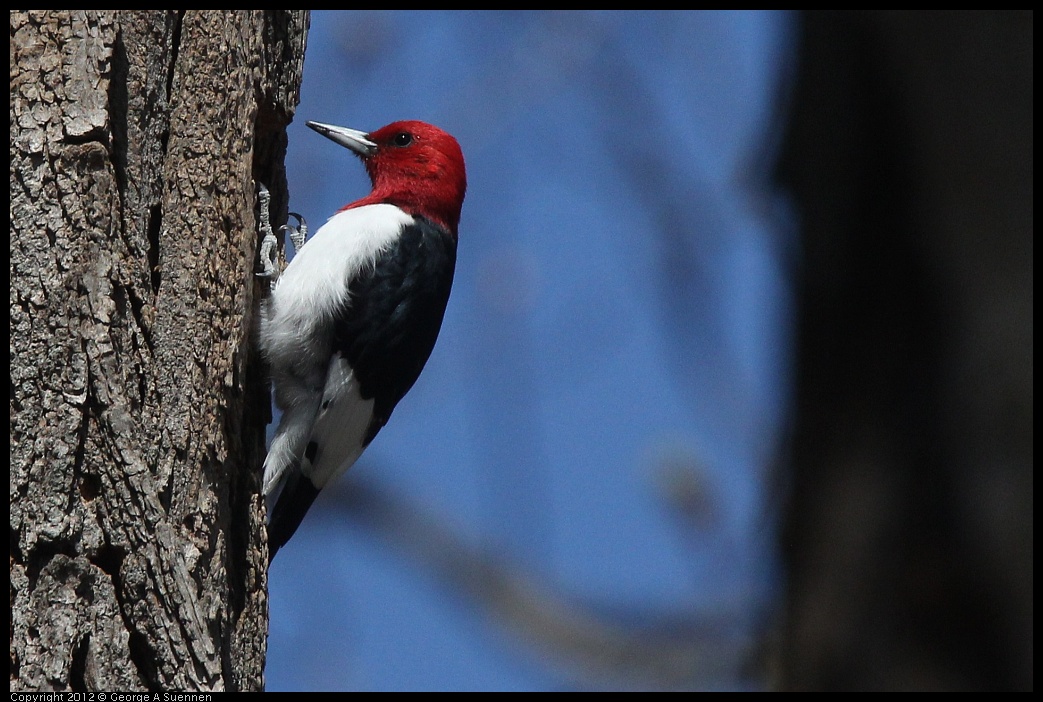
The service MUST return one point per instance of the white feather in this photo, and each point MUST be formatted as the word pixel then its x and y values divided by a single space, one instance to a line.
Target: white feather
pixel 297 338
pixel 315 282
pixel 340 425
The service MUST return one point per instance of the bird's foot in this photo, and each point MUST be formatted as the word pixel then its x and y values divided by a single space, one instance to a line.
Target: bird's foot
pixel 269 244
pixel 269 252
pixel 297 234
pixel 268 256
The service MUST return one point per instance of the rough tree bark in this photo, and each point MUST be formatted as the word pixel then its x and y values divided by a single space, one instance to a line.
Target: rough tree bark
pixel 137 406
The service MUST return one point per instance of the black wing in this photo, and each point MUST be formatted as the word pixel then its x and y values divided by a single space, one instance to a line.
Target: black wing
pixel 389 328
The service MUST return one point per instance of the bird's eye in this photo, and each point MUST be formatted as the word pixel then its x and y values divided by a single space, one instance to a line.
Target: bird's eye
pixel 402 139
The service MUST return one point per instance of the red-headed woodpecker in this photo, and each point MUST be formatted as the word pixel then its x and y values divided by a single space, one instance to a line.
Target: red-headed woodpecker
pixel 354 317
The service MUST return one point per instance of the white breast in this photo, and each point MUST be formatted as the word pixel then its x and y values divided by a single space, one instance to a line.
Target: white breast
pixel 314 284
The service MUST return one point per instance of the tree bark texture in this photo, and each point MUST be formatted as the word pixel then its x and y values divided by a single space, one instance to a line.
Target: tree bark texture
pixel 138 404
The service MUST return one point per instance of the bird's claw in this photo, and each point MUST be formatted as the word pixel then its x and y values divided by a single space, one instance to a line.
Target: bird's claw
pixel 269 252
pixel 269 244
pixel 297 234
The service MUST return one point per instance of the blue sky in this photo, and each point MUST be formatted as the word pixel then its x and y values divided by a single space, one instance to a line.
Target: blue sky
pixel 581 482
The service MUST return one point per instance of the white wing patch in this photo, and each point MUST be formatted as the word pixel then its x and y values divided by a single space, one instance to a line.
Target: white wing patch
pixel 323 434
pixel 340 425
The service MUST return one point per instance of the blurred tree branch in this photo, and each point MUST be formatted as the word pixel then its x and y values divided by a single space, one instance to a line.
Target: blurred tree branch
pixel 591 647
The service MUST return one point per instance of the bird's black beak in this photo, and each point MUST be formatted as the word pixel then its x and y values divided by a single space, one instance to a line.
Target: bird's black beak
pixel 351 138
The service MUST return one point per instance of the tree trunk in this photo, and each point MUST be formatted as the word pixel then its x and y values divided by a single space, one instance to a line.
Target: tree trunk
pixel 909 538
pixel 137 402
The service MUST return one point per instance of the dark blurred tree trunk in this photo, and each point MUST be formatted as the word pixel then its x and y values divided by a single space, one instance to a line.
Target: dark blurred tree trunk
pixel 137 405
pixel 909 538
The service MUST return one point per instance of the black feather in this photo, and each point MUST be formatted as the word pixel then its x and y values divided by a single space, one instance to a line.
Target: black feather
pixel 395 312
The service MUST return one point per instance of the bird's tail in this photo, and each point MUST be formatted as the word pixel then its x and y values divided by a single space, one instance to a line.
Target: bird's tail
pixel 291 503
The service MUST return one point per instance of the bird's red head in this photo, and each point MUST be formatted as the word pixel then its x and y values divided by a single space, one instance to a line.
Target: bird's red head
pixel 412 164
